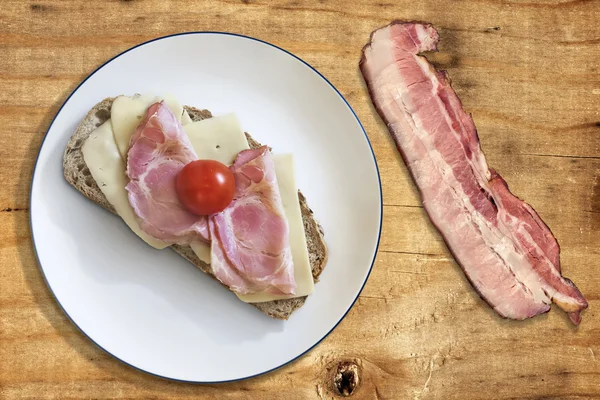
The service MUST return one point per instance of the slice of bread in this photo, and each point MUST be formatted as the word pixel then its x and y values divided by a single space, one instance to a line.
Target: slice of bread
pixel 77 174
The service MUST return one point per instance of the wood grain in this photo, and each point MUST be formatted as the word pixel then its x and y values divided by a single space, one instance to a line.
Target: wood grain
pixel 527 70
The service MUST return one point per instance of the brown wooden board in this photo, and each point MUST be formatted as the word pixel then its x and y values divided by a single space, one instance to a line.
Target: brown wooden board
pixel 529 71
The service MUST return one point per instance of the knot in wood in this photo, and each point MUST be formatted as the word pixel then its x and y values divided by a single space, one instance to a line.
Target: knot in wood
pixel 346 378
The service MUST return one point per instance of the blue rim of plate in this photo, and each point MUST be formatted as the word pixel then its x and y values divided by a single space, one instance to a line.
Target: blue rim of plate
pixel 322 77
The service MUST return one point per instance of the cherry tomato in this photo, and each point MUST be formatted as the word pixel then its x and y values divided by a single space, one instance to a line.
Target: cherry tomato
pixel 205 187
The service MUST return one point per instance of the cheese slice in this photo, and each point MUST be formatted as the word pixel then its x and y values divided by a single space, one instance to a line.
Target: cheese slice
pixel 217 138
pixel 202 251
pixel 102 157
pixel 185 118
pixel 286 179
pixel 127 112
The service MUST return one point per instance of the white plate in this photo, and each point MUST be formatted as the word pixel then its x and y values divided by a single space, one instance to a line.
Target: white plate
pixel 154 310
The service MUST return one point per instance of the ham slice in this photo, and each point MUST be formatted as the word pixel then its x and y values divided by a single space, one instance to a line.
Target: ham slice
pixel 506 251
pixel 250 247
pixel 159 149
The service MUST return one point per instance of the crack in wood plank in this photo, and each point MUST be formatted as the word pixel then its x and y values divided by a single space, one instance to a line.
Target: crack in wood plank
pixel 407 272
pixel 561 4
pixel 412 253
pixel 487 31
pixel 315 10
pixel 402 205
pixel 560 156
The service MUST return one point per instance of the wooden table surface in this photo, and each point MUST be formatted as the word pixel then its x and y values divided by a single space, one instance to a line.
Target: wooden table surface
pixel 527 70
